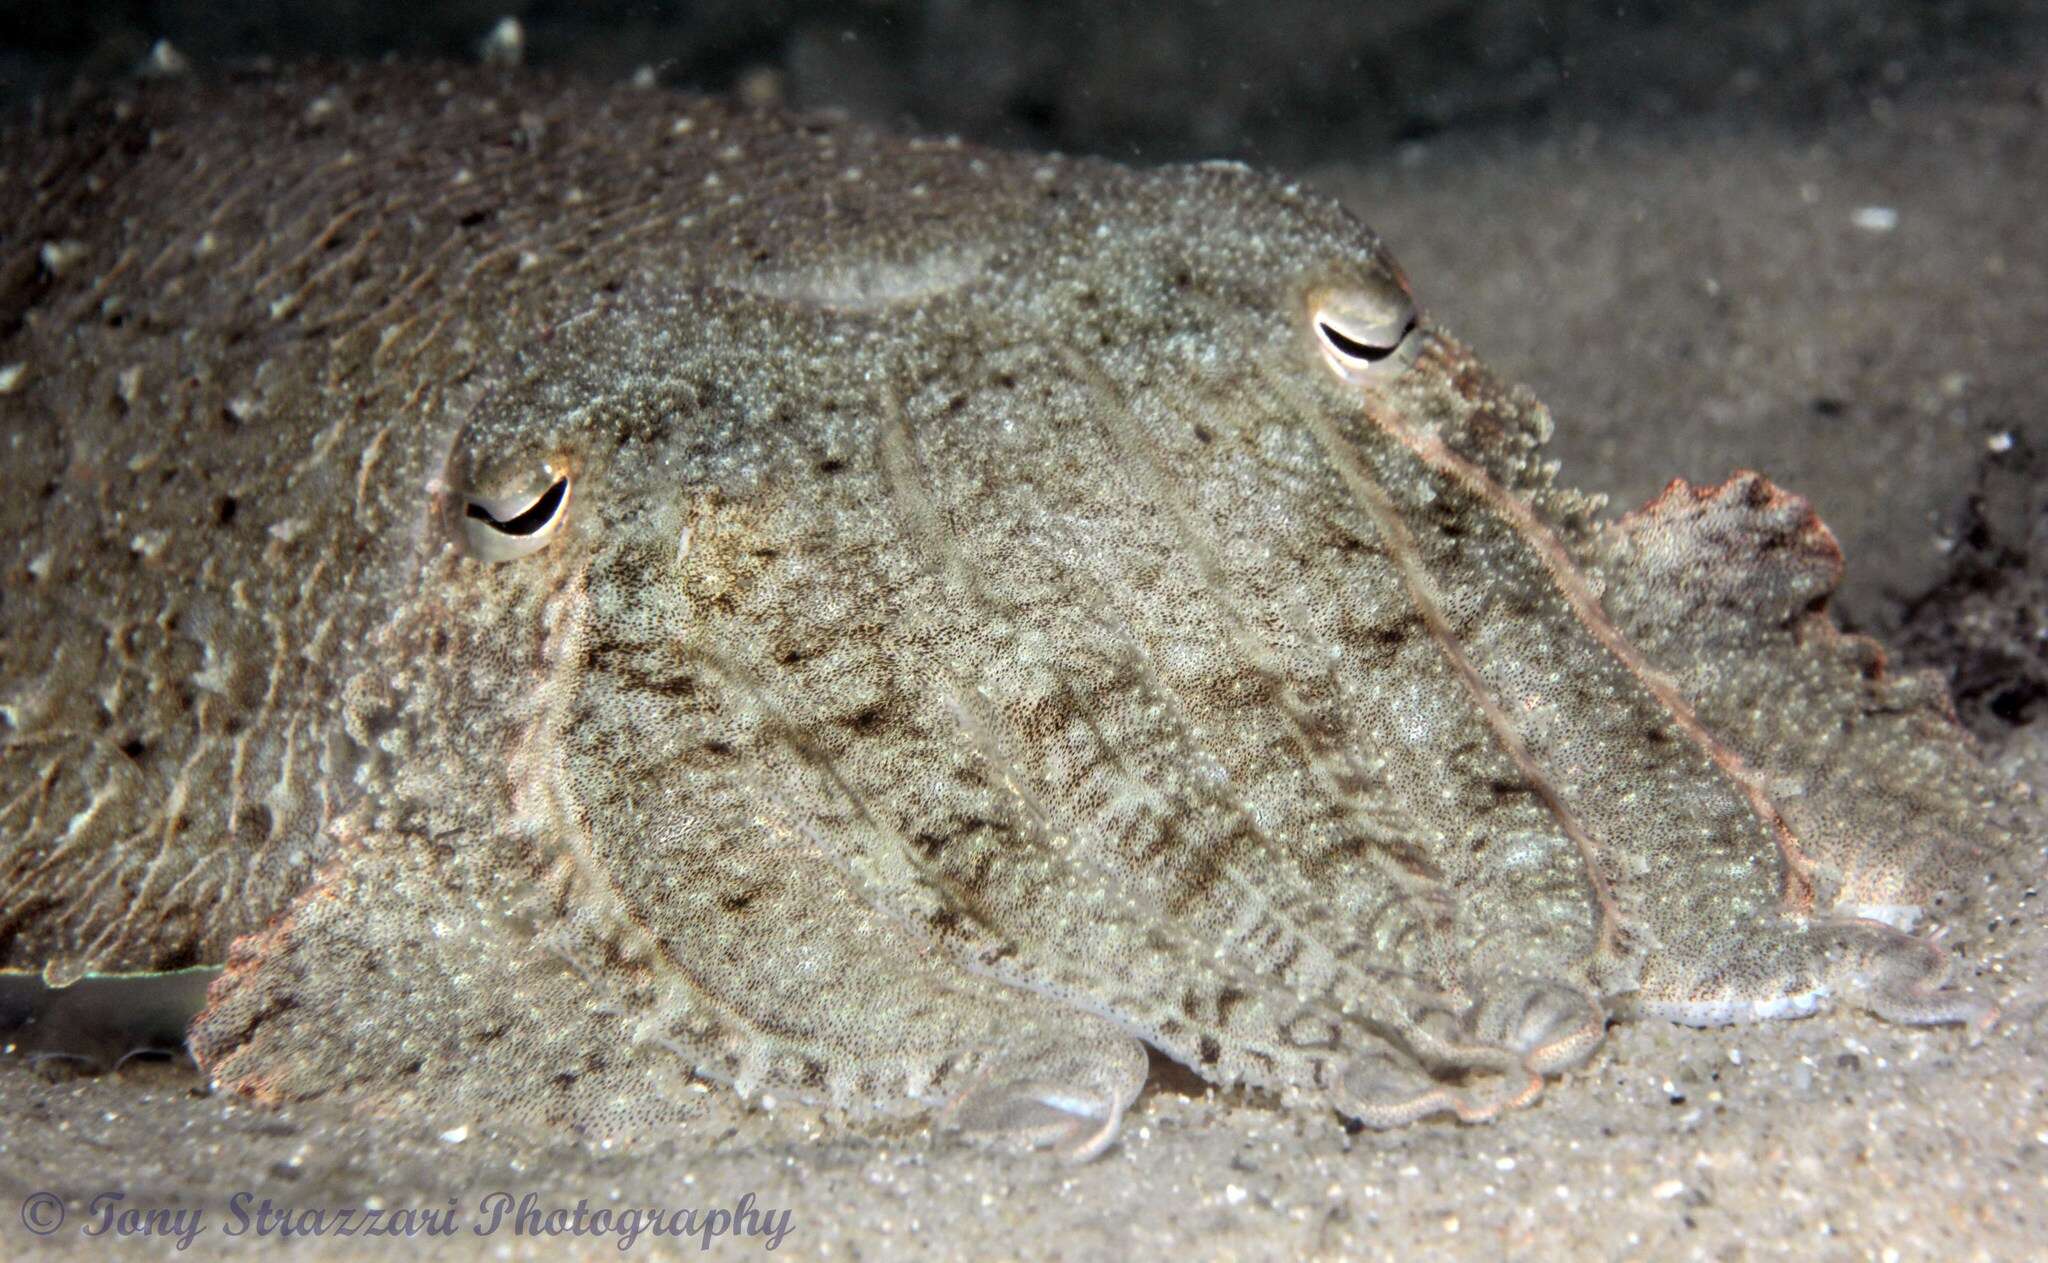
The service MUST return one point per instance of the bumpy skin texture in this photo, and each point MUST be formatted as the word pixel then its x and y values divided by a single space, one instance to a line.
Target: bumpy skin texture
pixel 989 624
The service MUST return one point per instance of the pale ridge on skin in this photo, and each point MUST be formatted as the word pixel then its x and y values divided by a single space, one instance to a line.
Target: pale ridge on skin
pixel 1374 500
pixel 906 484
pixel 1408 886
pixel 1202 551
pixel 1799 893
pixel 1449 1054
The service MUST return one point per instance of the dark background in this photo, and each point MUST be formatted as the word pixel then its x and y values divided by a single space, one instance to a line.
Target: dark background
pixel 1282 81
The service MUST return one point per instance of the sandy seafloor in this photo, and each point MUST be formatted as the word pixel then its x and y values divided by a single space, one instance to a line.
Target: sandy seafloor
pixel 1687 305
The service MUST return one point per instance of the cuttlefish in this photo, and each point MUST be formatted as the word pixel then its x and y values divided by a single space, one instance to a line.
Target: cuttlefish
pixel 569 593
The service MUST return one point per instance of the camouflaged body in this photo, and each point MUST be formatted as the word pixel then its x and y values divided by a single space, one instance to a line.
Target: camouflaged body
pixel 989 626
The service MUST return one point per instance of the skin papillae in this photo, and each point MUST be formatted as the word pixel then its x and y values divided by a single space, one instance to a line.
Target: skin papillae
pixel 571 592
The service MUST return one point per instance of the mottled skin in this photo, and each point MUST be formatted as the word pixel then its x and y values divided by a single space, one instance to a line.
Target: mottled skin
pixel 991 610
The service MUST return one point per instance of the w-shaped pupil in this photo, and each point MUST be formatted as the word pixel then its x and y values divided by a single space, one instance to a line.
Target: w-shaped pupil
pixel 536 515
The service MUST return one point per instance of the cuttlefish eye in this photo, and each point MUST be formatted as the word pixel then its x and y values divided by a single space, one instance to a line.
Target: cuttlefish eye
pixel 515 523
pixel 1365 329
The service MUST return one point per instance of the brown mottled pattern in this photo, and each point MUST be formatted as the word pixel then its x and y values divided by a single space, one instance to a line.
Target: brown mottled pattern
pixel 1002 609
